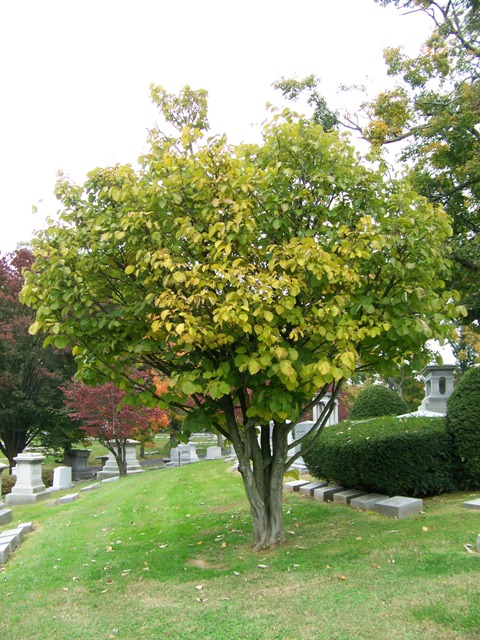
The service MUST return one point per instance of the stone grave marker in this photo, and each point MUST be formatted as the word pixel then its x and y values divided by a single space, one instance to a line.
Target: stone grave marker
pixel 62 478
pixel 29 485
pixel 399 507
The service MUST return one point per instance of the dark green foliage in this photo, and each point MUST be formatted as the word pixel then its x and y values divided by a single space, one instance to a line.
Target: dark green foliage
pixel 395 456
pixel 463 426
pixel 376 401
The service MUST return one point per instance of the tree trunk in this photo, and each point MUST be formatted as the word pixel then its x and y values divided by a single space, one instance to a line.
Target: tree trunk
pixel 262 469
pixel 119 453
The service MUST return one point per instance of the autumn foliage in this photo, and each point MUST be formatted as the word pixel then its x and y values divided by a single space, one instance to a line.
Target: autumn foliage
pixel 103 414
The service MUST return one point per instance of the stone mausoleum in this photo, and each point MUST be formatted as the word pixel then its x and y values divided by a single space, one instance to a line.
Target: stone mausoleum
pixel 439 383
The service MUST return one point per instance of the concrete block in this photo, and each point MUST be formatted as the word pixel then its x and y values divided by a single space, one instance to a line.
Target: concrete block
pixel 472 504
pixel 112 479
pixel 345 497
pixel 5 516
pixel 18 532
pixel 308 489
pixel 52 503
pixel 13 499
pixel 399 507
pixel 91 487
pixel 11 540
pixel 71 497
pixel 325 494
pixel 4 552
pixel 367 501
pixel 294 485
pixel 26 526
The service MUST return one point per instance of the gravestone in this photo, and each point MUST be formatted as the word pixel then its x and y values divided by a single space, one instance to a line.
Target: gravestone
pixel 300 430
pixel 181 454
pixel 62 478
pixel 193 452
pixel 29 485
pixel 214 453
pixel 5 514
pixel 308 489
pixel 110 468
pixel 294 485
pixel 399 507
pixel 472 504
pixel 325 494
pixel 345 497
pixel 77 459
pixel 367 501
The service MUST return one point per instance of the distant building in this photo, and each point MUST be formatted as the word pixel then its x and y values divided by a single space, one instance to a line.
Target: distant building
pixel 439 384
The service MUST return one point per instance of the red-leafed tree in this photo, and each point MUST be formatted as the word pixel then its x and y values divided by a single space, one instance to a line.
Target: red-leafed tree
pixel 104 415
pixel 31 403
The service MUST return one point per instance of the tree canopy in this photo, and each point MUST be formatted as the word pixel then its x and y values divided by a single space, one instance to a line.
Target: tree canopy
pixel 432 114
pixel 434 108
pixel 102 413
pixel 254 277
pixel 31 406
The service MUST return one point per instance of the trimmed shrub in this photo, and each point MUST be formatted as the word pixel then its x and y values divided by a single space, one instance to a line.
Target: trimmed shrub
pixel 377 401
pixel 396 456
pixel 463 426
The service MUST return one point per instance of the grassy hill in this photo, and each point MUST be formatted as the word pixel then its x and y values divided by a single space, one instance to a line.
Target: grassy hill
pixel 166 554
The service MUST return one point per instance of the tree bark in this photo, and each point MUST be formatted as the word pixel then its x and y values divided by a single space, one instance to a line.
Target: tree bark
pixel 262 468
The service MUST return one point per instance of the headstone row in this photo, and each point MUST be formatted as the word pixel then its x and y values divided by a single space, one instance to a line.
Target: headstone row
pixel 394 507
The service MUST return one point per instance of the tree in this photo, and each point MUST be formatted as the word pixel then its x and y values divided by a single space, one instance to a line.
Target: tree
pixel 434 108
pixel 31 405
pixel 254 277
pixel 432 114
pixel 465 345
pixel 103 414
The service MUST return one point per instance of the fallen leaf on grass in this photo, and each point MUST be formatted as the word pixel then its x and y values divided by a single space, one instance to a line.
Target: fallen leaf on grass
pixel 340 577
pixel 262 566
pixel 469 548
pixel 424 528
pixel 199 586
pixel 375 566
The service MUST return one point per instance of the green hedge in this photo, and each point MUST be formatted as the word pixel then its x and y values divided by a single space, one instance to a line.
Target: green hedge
pixel 376 401
pixel 395 456
pixel 463 425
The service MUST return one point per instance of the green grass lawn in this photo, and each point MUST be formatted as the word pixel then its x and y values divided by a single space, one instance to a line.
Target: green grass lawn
pixel 166 554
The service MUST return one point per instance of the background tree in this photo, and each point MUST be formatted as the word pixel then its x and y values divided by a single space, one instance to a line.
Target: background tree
pixel 432 114
pixel 31 404
pixel 465 345
pixel 255 278
pixel 434 109
pixel 102 413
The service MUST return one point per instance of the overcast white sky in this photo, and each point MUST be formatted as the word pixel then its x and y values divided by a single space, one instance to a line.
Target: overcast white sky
pixel 75 76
